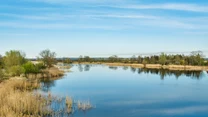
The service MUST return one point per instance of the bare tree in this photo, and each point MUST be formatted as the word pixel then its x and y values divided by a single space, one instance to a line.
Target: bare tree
pixel 48 57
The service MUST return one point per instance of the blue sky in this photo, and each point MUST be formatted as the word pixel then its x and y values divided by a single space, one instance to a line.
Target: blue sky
pixel 103 27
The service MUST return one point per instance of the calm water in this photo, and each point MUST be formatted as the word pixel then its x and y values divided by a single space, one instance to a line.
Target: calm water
pixel 129 92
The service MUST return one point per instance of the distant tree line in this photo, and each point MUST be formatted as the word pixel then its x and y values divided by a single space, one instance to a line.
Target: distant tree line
pixel 195 58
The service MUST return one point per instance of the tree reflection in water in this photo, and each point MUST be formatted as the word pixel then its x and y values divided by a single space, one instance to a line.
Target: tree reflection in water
pixel 133 69
pixel 113 67
pixel 87 67
pixel 177 73
pixel 125 68
pixel 48 83
pixel 162 72
pixel 80 67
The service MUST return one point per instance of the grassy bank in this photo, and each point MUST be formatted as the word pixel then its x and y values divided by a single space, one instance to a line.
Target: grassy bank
pixel 46 73
pixel 158 66
pixel 153 66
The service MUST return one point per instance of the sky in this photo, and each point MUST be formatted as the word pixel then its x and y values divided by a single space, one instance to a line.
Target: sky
pixel 103 27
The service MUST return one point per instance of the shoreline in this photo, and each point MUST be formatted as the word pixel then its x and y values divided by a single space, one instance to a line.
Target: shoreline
pixel 53 72
pixel 155 66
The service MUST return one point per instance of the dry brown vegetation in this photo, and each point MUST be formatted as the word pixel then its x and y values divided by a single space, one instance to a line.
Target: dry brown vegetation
pixel 47 73
pixel 17 99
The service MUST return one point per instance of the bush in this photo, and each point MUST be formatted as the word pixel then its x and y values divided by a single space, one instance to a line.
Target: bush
pixel 30 68
pixel 40 66
pixel 1 74
pixel 16 70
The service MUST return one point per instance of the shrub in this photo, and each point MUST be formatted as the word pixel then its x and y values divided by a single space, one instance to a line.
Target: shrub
pixel 30 68
pixel 16 70
pixel 1 74
pixel 40 66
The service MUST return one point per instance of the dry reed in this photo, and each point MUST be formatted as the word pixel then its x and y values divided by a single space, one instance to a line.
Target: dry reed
pixel 17 99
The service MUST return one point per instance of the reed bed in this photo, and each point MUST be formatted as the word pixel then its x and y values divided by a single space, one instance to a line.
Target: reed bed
pixel 17 99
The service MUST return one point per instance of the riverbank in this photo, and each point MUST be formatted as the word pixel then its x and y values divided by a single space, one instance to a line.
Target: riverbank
pixel 155 66
pixel 47 73
pixel 158 66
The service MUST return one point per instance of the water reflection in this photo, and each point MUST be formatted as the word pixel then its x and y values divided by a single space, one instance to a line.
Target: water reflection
pixel 123 89
pixel 80 67
pixel 113 67
pixel 87 68
pixel 47 84
pixel 133 69
pixel 125 68
pixel 165 72
pixel 162 72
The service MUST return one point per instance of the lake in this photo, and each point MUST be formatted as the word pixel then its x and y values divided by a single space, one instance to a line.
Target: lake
pixel 130 92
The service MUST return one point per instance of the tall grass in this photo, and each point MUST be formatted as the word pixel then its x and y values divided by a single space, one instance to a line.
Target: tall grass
pixel 17 99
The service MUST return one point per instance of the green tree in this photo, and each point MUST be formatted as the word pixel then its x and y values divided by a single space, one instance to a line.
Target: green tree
pixel 1 74
pixel 87 59
pixel 126 60
pixel 1 62
pixel 14 58
pixel 144 62
pixel 162 59
pixel 13 61
pixel 133 59
pixel 67 60
pixel 183 62
pixel 177 60
pixel 40 66
pixel 197 58
pixel 80 59
pixel 152 60
pixel 15 70
pixel 48 58
pixel 139 59
pixel 113 58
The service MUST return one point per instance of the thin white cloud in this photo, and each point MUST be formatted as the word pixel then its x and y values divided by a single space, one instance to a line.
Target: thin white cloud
pixel 56 26
pixel 125 21
pixel 65 16
pixel 168 6
pixel 124 16
pixel 64 2
pixel 33 17
pixel 167 23
pixel 38 17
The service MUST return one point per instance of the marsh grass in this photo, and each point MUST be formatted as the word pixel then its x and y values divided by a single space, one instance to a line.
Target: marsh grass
pixel 17 99
pixel 84 106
